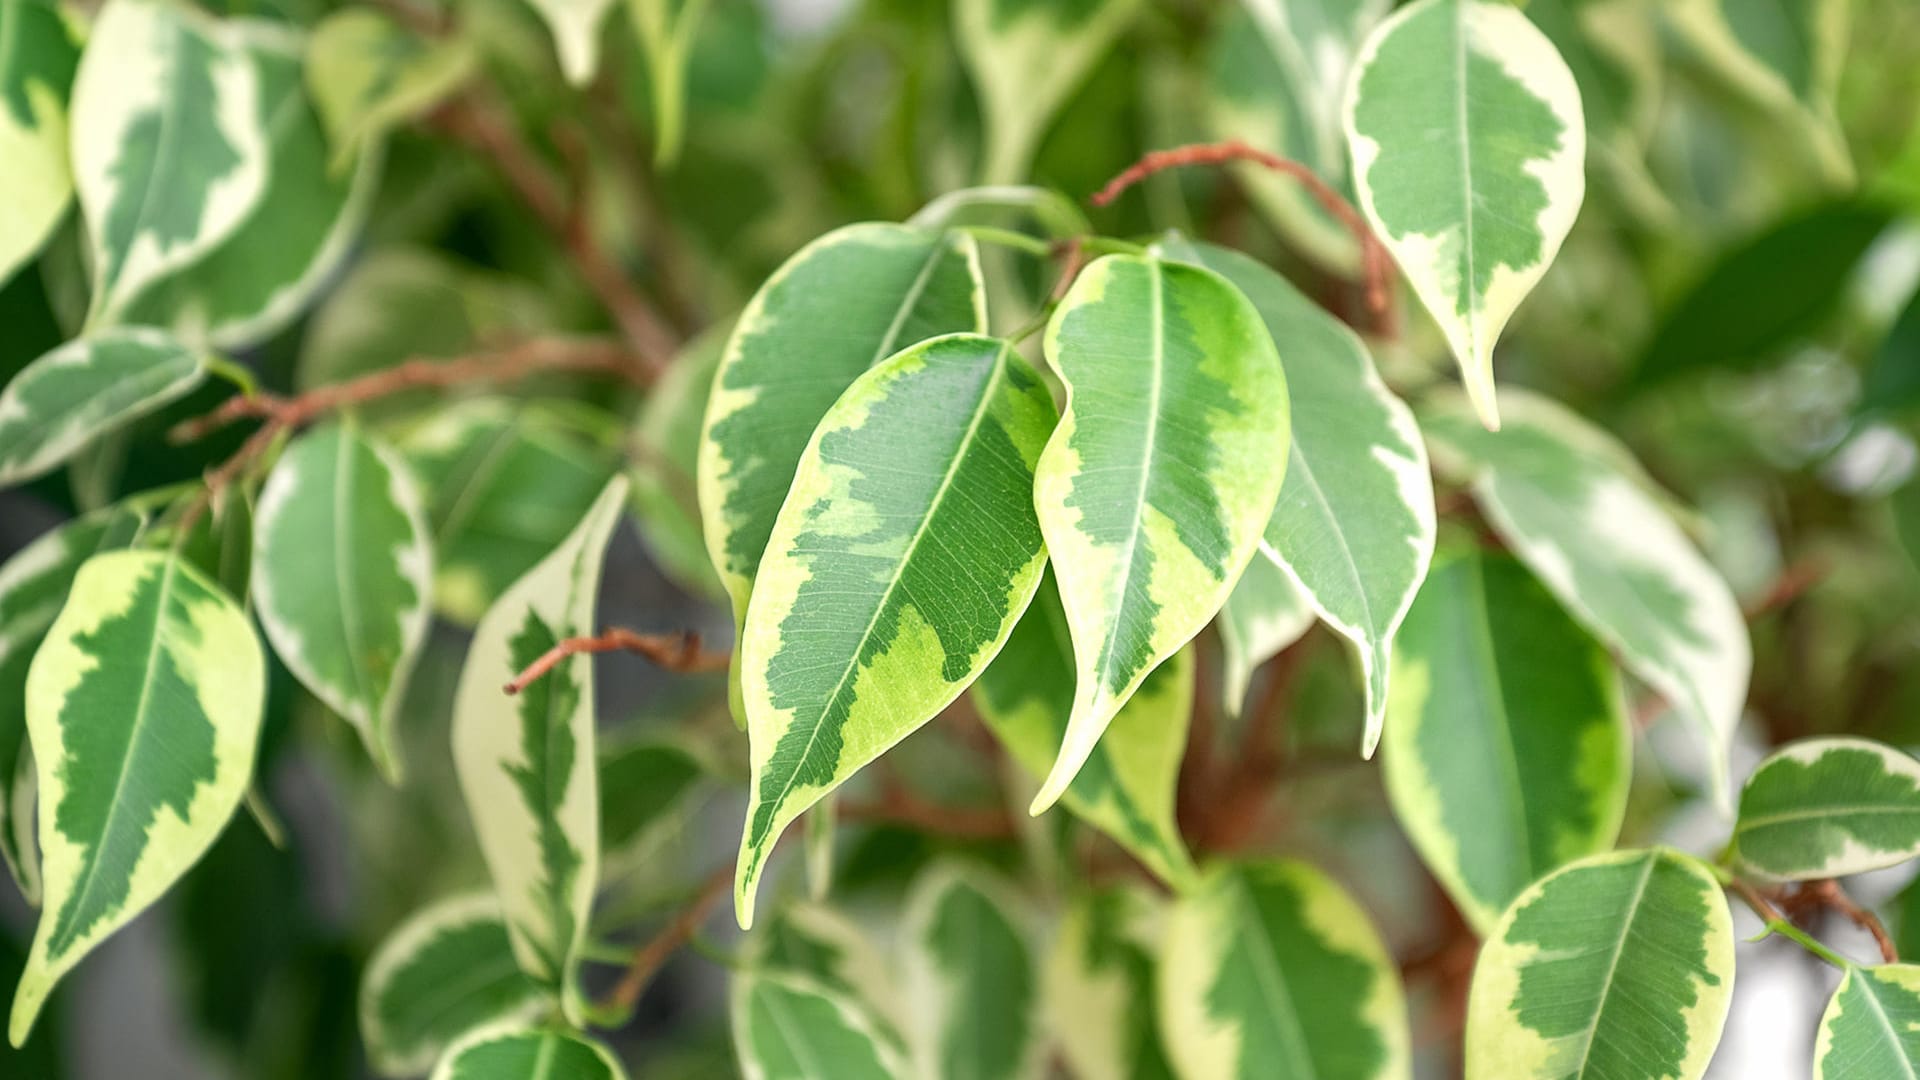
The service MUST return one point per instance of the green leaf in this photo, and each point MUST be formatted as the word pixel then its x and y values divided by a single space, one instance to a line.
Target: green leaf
pixel 343 573
pixel 1265 613
pixel 447 970
pixel 526 763
pixel 1574 507
pixel 144 706
pixel 37 60
pixel 817 943
pixel 841 305
pixel 1871 1028
pixel 1126 788
pixel 1785 56
pixel 368 76
pixel 1617 965
pixel 1270 969
pixel 1508 753
pixel 33 585
pixel 62 402
pixel 1892 380
pixel 1469 155
pixel 666 31
pixel 666 466
pixel 896 570
pixel 513 1051
pixel 169 155
pixel 648 787
pixel 1165 467
pixel 1612 47
pixel 264 274
pixel 1099 987
pixel 1355 523
pixel 1026 57
pixel 505 483
pixel 972 976
pixel 1825 808
pixel 786 1027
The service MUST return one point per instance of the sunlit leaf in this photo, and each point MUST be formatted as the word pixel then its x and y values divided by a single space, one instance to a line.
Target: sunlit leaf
pixel 62 402
pixel 1824 808
pixel 36 73
pixel 973 977
pixel 1871 1028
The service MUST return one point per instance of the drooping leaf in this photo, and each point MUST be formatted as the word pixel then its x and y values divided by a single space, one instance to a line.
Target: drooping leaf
pixel 514 1051
pixel 1266 612
pixel 343 575
pixel 575 25
pixel 1579 512
pixel 1871 1028
pixel 368 75
pixel 1126 788
pixel 1026 56
pixel 84 389
pixel 1469 156
pixel 1164 469
pixel 264 274
pixel 1824 808
pixel 36 73
pixel 839 306
pixel 505 483
pixel 972 976
pixel 169 155
pixel 897 568
pixel 144 707
pixel 1618 965
pixel 1785 56
pixel 1270 969
pixel 447 970
pixel 1355 522
pixel 666 30
pixel 1508 750
pixel 666 466
pixel 1099 987
pixel 647 786
pixel 787 1027
pixel 526 762
pixel 33 585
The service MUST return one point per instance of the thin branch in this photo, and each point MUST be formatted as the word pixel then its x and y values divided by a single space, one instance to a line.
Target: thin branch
pixel 1792 583
pixel 653 954
pixel 899 805
pixel 674 652
pixel 1831 896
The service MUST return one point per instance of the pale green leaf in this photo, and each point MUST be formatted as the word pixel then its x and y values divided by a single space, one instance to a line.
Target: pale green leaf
pixel 1612 47
pixel 665 29
pixel 65 400
pixel 367 76
pixel 447 970
pixel 514 1051
pixel 827 948
pixel 666 465
pixel 342 577
pixel 1099 980
pixel 1508 750
pixel 1572 504
pixel 972 977
pixel 37 60
pixel 1126 788
pixel 1266 612
pixel 1871 1029
pixel 1469 156
pixel 895 571
pixel 526 763
pixel 169 154
pixel 144 707
pixel 648 788
pixel 787 1027
pixel 1825 808
pixel 1786 56
pixel 1165 467
pixel 1270 969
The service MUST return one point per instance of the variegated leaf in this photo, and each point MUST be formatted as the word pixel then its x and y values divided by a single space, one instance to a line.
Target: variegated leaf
pixel 896 570
pixel 84 389
pixel 1508 752
pixel 787 1027
pixel 342 577
pixel 1099 987
pixel 514 1051
pixel 447 970
pixel 972 977
pixel 144 707
pixel 665 444
pixel 1469 156
pixel 1126 788
pixel 526 763
pixel 1164 469
pixel 367 76
pixel 264 274
pixel 1266 612
pixel 1786 56
pixel 823 946
pixel 1612 47
pixel 841 305
pixel 1824 808
pixel 169 154
pixel 37 60
pixel 1581 514
pixel 1871 1029
pixel 1270 969
pixel 1026 57
pixel 1355 523
pixel 33 585
pixel 648 787
pixel 575 25
pixel 1618 965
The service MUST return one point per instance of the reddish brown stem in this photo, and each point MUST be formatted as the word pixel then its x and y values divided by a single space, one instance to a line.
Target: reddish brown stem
pixel 653 954
pixel 674 652
pixel 1792 583
pixel 897 804
pixel 1831 896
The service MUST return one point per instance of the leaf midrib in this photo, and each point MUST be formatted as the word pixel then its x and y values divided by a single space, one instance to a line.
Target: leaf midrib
pixel 1613 964
pixel 1157 322
pixel 1886 1024
pixel 1267 972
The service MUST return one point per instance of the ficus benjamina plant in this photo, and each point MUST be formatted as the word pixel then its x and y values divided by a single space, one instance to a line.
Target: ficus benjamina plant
pixel 1328 539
